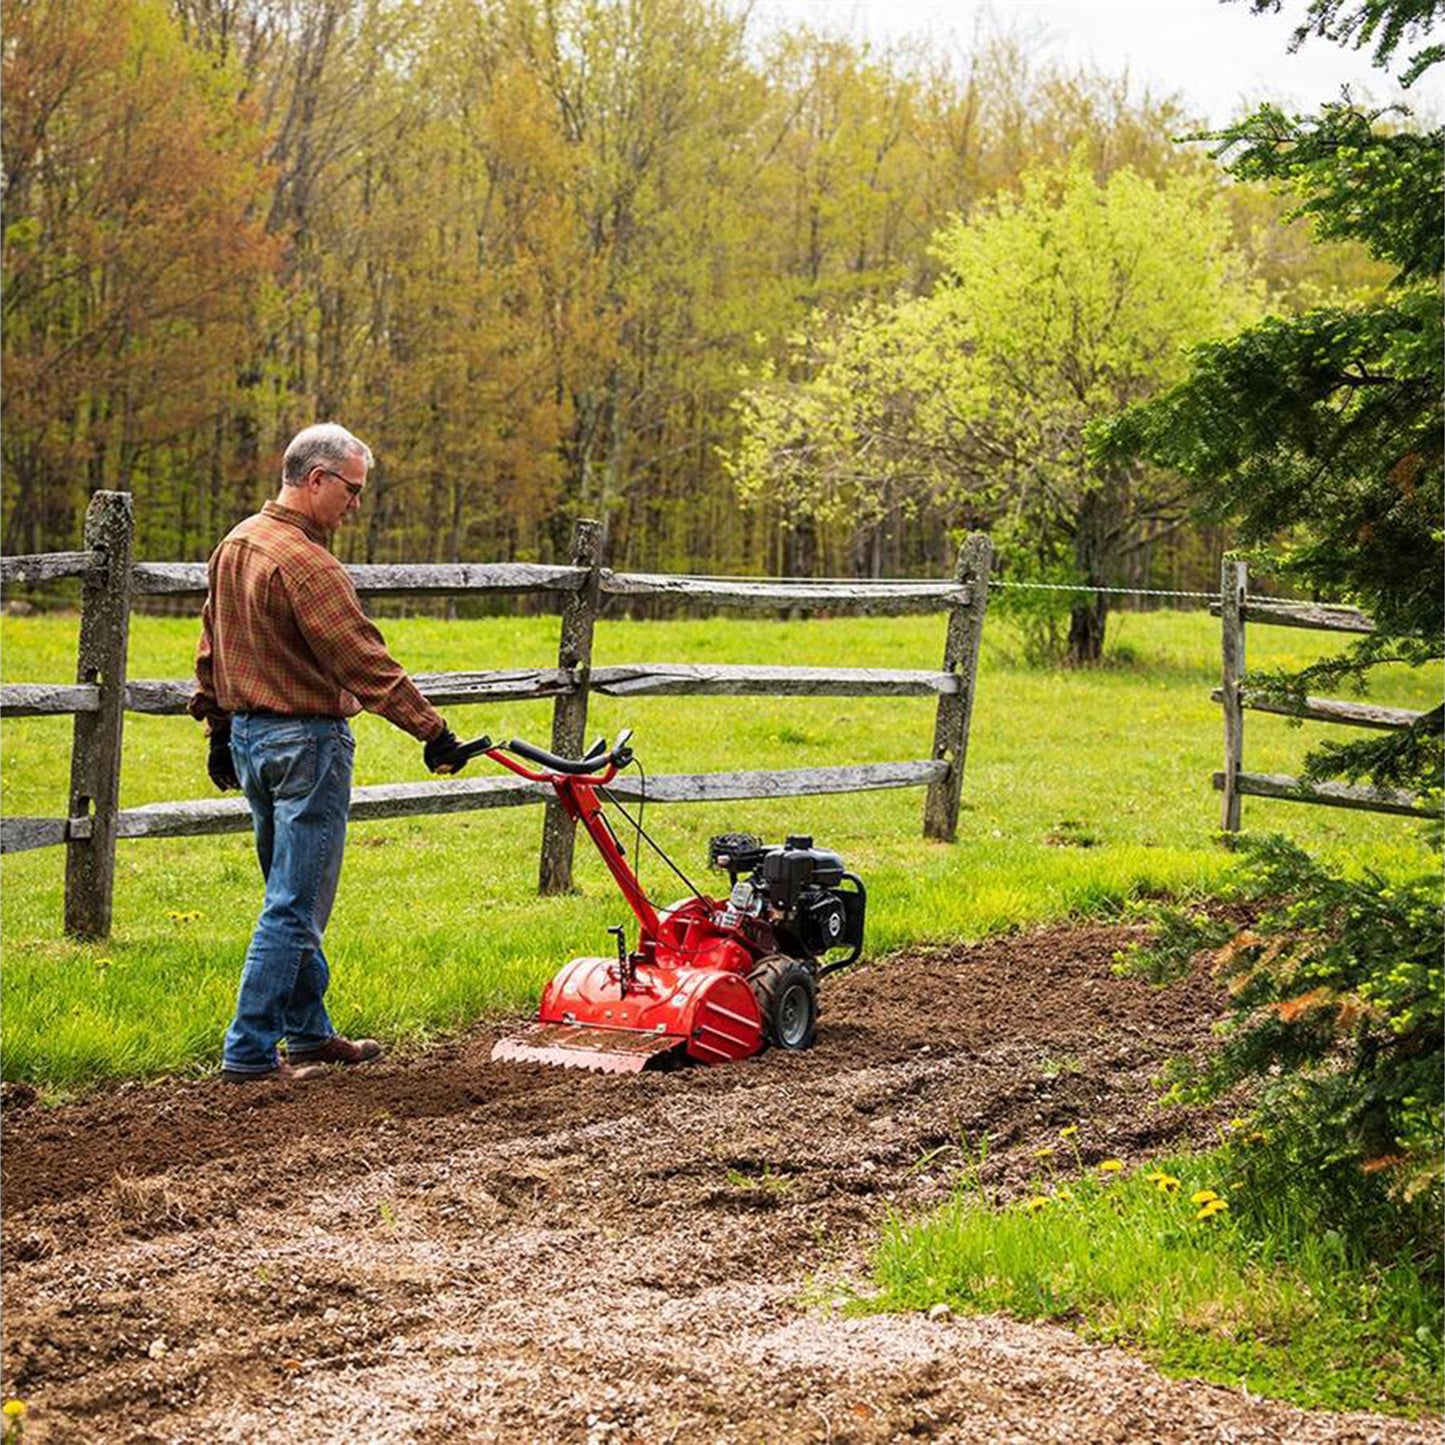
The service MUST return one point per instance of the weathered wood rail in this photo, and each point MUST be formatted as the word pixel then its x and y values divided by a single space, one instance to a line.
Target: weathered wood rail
pixel 102 694
pixel 443 689
pixel 1235 609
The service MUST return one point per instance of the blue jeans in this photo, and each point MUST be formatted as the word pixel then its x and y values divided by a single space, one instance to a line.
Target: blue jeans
pixel 296 774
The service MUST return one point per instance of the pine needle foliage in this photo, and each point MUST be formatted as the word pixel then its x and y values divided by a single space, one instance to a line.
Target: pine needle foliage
pixel 1318 438
pixel 1336 1004
pixel 1357 23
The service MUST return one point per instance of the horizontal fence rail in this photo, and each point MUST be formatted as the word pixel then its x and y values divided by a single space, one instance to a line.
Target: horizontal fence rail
pixel 407 800
pixel 1330 795
pixel 1315 616
pixel 1325 709
pixel 1235 608
pixel 188 579
pixel 738 680
pixel 868 597
pixel 102 694
pixel 453 689
pixel 47 567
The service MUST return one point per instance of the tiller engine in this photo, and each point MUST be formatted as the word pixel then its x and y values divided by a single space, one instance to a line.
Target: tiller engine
pixel 711 979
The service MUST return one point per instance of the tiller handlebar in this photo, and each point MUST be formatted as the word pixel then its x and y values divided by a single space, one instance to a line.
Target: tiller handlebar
pixel 575 781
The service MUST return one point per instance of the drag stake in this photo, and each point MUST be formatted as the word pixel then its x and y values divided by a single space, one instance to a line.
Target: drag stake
pixel 626 969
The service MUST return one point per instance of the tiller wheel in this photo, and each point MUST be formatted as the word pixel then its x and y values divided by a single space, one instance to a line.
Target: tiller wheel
pixel 711 980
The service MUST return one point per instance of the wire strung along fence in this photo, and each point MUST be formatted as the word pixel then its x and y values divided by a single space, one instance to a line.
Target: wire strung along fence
pixel 103 693
pixel 1236 608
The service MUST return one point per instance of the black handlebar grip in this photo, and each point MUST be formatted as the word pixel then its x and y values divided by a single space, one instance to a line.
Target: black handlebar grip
pixel 560 765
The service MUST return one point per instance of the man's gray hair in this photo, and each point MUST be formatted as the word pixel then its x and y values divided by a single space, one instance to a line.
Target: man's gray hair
pixel 323 445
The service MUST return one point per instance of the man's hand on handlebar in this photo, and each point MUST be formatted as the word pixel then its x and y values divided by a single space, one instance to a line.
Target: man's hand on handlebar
pixel 444 753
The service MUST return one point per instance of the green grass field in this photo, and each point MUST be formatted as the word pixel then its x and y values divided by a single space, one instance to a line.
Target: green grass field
pixel 1194 1264
pixel 1082 789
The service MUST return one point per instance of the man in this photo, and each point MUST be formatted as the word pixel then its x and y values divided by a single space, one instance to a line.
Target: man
pixel 286 656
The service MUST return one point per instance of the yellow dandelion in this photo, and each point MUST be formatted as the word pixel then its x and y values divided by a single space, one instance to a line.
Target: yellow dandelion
pixel 1215 1206
pixel 1237 1124
pixel 1167 1184
pixel 1111 1166
pixel 1038 1202
pixel 1043 1153
pixel 1065 1194
pixel 13 1408
pixel 1202 1196
pixel 1069 1131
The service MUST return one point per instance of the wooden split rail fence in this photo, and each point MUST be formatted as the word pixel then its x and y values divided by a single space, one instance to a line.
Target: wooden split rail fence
pixel 103 693
pixel 1235 609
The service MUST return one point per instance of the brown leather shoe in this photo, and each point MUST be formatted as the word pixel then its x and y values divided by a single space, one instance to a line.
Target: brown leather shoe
pixel 337 1050
pixel 285 1072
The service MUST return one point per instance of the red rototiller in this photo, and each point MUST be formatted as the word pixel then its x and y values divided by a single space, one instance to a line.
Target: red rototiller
pixel 710 979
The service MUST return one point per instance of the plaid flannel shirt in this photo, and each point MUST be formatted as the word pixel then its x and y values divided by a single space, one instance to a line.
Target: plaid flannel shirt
pixel 283 631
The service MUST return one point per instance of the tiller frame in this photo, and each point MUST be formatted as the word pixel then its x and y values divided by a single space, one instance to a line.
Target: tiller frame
pixel 702 983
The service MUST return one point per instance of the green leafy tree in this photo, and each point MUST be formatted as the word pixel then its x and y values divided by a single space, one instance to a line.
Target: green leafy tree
pixel 1066 301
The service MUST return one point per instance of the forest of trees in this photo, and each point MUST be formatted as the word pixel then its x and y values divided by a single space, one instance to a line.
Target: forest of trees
pixel 537 253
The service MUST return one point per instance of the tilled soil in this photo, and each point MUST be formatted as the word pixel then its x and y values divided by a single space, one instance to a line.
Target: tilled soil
pixel 440 1248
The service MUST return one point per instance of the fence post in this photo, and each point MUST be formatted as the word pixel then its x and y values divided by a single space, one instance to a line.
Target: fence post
pixel 96 749
pixel 960 656
pixel 569 715
pixel 1233 593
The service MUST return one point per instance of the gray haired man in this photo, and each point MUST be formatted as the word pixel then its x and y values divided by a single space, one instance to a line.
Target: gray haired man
pixel 286 657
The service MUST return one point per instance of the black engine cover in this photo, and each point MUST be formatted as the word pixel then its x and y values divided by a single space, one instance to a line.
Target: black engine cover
pixel 813 904
pixel 788 872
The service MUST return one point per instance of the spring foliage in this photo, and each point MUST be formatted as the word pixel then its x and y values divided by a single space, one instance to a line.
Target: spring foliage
pixel 1070 299
pixel 526 250
pixel 134 263
pixel 1319 437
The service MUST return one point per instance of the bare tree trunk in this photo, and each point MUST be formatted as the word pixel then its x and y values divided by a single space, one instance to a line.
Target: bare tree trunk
pixel 1090 613
pixel 1086 631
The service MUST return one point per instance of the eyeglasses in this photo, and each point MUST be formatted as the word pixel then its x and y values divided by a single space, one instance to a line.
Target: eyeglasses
pixel 354 489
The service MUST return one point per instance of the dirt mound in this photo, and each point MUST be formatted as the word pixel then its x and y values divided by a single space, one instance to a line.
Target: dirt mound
pixel 437 1247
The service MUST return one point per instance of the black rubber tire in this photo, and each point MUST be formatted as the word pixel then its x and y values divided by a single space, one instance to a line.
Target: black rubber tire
pixel 786 990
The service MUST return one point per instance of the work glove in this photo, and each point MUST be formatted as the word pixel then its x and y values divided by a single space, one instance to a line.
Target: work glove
pixel 220 764
pixel 443 754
